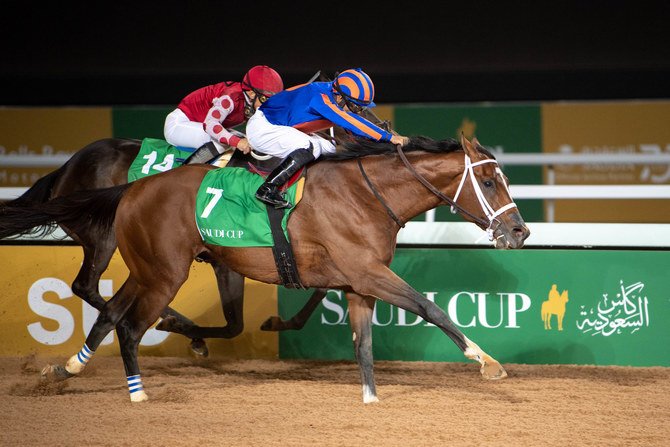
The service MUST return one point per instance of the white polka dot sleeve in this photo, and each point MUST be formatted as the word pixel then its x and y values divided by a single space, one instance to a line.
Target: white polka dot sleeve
pixel 221 108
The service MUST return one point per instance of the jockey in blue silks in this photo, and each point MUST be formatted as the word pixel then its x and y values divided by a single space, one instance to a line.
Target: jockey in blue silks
pixel 285 125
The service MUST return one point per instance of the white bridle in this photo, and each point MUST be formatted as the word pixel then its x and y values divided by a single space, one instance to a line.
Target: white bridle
pixel 491 214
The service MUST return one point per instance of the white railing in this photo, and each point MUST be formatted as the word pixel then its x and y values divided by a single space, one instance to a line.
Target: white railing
pixel 548 192
pixel 504 158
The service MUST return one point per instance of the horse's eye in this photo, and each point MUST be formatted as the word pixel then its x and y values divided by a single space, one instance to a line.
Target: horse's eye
pixel 488 183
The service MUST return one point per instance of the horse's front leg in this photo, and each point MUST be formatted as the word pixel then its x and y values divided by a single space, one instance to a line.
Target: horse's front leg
pixel 385 285
pixel 231 295
pixel 360 319
pixel 298 321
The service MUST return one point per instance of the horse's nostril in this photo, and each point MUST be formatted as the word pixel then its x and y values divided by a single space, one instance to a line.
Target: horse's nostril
pixel 521 233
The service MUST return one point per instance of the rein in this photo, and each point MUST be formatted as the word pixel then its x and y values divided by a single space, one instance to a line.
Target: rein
pixel 436 191
pixel 389 211
pixel 491 214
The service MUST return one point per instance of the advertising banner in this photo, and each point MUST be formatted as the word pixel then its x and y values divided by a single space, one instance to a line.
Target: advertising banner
pixel 527 306
pixel 630 127
pixel 40 314
pixel 47 131
pixel 500 128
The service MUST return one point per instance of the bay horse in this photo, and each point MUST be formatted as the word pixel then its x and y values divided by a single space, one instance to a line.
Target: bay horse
pixel 374 187
pixel 105 163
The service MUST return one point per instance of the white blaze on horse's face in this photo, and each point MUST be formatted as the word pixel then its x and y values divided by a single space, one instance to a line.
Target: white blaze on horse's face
pixel 489 211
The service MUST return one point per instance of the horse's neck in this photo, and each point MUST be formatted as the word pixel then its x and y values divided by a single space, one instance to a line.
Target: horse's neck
pixel 399 189
pixel 408 195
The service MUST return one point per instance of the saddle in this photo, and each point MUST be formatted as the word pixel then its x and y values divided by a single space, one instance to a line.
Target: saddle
pixel 238 159
pixel 282 250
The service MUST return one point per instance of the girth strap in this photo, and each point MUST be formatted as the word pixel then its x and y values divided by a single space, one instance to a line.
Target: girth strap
pixel 282 251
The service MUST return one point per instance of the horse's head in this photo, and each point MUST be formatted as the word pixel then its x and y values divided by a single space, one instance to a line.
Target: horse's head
pixel 483 197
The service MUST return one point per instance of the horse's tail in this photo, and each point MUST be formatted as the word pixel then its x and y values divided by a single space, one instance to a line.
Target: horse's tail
pixel 77 211
pixel 39 192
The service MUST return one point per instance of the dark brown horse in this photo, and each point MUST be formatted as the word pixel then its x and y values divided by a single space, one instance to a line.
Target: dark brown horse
pixel 105 163
pixel 372 187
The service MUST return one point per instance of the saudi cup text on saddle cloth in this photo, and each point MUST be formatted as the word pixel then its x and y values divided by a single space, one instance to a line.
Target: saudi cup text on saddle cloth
pixel 228 214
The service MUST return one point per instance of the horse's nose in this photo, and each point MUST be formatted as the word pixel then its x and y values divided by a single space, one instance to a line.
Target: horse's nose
pixel 521 232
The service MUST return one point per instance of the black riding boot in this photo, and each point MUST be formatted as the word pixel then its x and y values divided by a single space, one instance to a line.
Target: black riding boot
pixel 204 154
pixel 269 191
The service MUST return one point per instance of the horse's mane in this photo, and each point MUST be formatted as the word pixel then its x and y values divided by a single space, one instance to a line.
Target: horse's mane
pixel 360 147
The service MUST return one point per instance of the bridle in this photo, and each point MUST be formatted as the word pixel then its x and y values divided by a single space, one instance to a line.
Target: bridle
pixel 491 214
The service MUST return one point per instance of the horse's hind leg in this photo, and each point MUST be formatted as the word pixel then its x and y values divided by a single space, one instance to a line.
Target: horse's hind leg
pixel 298 321
pixel 97 254
pixel 110 315
pixel 360 318
pixel 130 330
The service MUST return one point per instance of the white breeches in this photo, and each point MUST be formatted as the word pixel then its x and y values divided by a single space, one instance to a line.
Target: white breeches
pixel 280 141
pixel 180 131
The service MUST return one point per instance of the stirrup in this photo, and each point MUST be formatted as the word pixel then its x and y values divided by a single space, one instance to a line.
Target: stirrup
pixel 267 194
pixel 204 154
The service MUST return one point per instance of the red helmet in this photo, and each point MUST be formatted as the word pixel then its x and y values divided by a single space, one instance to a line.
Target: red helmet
pixel 263 79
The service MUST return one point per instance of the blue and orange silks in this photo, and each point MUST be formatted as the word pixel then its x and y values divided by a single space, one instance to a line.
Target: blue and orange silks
pixel 312 107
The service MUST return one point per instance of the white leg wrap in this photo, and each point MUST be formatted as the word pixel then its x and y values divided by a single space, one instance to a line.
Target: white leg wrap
pixel 368 397
pixel 78 362
pixel 74 366
pixel 136 389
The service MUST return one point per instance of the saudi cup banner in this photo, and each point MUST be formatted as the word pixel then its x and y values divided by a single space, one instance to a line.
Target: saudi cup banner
pixel 528 306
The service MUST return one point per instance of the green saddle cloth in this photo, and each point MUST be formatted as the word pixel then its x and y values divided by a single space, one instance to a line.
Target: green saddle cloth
pixel 155 156
pixel 228 214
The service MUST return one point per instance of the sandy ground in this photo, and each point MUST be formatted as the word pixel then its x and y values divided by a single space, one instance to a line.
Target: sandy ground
pixel 308 403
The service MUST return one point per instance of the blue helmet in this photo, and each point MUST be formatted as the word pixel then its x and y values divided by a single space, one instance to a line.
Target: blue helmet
pixel 356 87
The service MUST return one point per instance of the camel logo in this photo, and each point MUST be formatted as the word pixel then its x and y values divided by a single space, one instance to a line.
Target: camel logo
pixel 555 305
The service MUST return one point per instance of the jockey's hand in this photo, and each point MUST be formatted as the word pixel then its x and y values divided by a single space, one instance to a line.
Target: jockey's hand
pixel 399 139
pixel 244 145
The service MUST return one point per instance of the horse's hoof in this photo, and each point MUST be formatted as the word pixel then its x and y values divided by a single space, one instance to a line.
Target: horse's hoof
pixel 167 324
pixel 270 324
pixel 370 399
pixel 139 396
pixel 199 347
pixel 492 370
pixel 55 373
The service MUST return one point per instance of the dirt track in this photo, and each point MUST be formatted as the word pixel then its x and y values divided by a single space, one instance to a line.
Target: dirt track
pixel 306 403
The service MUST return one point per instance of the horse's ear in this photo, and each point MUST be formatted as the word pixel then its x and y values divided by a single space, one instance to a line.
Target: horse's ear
pixel 467 147
pixel 475 142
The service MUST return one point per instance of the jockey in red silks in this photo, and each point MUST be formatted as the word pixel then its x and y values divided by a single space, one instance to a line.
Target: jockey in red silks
pixel 284 125
pixel 203 117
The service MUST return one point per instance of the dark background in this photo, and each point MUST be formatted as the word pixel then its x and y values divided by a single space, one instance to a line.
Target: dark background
pixel 150 53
